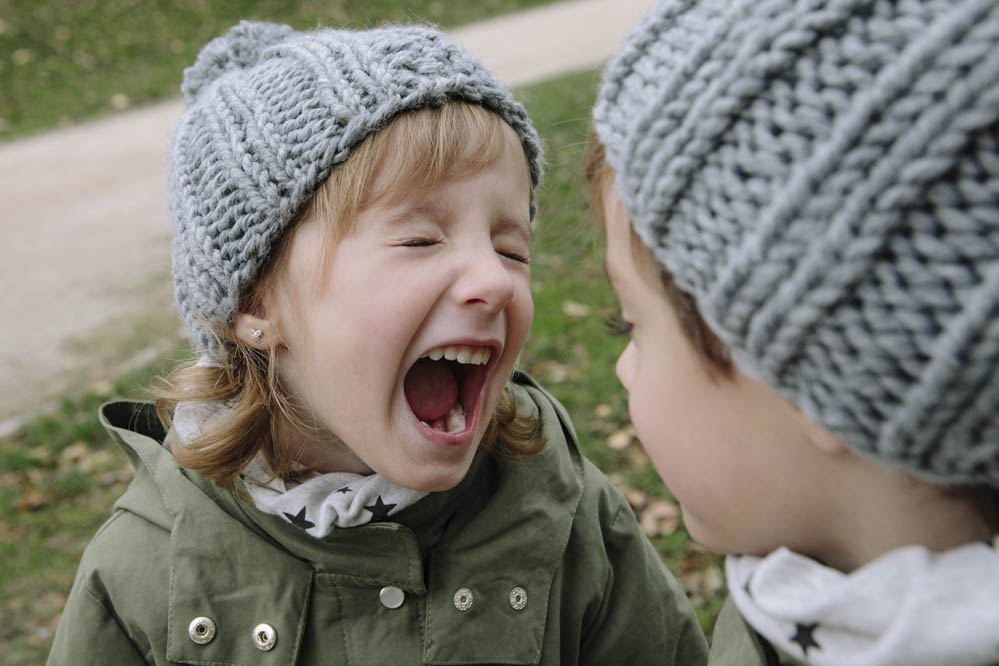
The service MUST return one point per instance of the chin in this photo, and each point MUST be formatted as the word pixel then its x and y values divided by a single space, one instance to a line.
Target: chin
pixel 704 537
pixel 432 478
pixel 432 482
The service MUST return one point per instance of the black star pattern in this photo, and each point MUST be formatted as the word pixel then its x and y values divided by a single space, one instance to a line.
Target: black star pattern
pixel 298 520
pixel 345 489
pixel 379 510
pixel 803 636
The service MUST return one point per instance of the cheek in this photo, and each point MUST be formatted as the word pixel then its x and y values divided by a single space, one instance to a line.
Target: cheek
pixel 520 315
pixel 526 311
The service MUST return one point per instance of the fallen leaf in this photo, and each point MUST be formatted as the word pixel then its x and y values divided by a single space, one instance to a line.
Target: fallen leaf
pixel 703 583
pixel 639 458
pixel 556 373
pixel 574 310
pixel 660 517
pixel 621 439
pixel 636 498
pixel 31 500
pixel 603 411
pixel 662 509
pixel 113 477
pixel 75 452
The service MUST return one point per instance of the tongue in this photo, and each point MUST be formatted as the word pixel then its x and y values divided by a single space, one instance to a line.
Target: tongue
pixel 431 389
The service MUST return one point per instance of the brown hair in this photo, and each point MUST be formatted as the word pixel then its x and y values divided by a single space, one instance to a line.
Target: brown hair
pixel 430 146
pixel 708 346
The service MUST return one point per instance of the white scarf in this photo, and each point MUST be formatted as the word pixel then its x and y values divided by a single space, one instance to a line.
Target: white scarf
pixel 318 504
pixel 909 607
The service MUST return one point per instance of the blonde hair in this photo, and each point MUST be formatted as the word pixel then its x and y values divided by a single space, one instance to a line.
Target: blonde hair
pixel 429 146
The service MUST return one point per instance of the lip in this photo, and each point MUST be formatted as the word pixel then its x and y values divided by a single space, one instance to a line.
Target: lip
pixel 466 436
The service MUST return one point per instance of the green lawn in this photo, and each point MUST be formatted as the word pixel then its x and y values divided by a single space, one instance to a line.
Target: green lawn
pixel 60 474
pixel 65 61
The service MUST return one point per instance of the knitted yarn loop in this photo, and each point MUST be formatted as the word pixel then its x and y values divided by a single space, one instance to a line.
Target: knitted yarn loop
pixel 239 48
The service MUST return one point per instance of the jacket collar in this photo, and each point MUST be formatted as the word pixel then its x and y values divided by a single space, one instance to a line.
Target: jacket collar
pixel 253 579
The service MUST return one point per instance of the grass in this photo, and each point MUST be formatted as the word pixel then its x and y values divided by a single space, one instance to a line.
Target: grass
pixel 61 62
pixel 61 473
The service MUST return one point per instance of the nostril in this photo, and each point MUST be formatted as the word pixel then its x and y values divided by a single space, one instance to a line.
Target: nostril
pixel 486 282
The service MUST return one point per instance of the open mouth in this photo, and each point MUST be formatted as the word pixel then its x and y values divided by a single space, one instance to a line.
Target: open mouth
pixel 444 386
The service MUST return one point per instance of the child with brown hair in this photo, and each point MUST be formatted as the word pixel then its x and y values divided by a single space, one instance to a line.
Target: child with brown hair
pixel 801 202
pixel 355 474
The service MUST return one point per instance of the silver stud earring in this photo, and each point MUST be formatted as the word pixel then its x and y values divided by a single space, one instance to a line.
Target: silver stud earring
pixel 256 335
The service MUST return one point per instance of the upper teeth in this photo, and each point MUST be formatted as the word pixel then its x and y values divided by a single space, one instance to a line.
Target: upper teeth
pixel 460 353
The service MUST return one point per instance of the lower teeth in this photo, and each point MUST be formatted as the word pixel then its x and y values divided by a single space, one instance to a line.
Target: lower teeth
pixel 456 418
pixel 452 422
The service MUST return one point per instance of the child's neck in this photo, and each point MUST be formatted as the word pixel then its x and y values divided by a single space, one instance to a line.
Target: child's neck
pixel 318 449
pixel 899 511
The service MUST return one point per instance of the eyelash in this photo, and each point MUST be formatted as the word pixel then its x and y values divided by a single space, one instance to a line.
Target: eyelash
pixel 427 242
pixel 516 257
pixel 617 326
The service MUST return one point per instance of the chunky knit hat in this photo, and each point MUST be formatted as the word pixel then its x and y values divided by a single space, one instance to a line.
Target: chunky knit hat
pixel 270 112
pixel 823 178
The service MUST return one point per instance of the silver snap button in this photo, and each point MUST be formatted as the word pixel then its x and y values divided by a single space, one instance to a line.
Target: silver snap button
pixel 463 599
pixel 518 598
pixel 391 596
pixel 201 630
pixel 264 637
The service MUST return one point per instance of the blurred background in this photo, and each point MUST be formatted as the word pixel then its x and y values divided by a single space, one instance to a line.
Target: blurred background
pixel 88 92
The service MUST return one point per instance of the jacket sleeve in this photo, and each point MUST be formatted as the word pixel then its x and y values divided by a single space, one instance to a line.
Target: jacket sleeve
pixel 645 616
pixel 89 633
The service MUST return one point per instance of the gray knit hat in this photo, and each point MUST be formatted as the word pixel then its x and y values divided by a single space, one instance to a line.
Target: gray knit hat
pixel 823 178
pixel 270 112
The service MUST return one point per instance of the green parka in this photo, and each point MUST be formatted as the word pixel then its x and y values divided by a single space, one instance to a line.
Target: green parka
pixel 180 559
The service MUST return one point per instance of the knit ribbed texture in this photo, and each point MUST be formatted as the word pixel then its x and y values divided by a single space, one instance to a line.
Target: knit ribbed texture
pixel 270 112
pixel 823 178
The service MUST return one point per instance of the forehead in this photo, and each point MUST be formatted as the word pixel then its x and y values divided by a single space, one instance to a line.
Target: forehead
pixel 627 256
pixel 420 157
pixel 404 176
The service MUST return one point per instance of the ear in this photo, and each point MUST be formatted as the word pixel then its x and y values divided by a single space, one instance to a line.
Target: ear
pixel 257 332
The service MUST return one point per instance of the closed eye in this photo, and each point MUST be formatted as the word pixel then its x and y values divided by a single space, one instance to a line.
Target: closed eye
pixel 418 242
pixel 516 256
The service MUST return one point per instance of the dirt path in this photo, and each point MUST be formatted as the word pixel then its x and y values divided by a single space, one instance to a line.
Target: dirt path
pixel 85 257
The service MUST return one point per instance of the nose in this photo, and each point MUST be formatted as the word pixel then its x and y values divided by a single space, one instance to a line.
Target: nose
pixel 485 282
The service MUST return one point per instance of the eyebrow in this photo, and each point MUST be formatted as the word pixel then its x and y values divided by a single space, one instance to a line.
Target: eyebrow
pixel 418 207
pixel 519 226
pixel 432 209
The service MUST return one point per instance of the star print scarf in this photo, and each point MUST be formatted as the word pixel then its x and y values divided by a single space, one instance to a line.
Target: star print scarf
pixel 908 607
pixel 319 504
